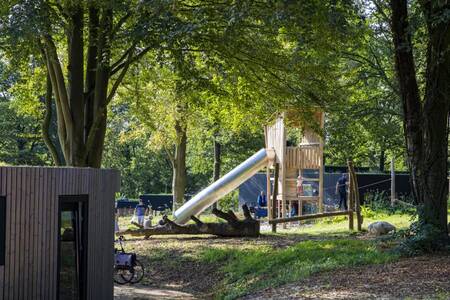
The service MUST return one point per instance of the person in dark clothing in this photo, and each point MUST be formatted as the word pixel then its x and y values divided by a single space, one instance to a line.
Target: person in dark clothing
pixel 341 190
pixel 262 200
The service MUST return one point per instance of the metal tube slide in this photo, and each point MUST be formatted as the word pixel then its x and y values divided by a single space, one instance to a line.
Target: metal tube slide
pixel 223 186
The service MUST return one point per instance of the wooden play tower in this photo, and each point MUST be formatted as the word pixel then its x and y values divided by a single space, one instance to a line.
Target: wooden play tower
pixel 295 164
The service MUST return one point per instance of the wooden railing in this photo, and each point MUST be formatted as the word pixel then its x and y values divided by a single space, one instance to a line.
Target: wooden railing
pixel 305 157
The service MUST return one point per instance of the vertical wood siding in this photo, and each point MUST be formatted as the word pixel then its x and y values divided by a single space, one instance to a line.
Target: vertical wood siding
pixel 31 248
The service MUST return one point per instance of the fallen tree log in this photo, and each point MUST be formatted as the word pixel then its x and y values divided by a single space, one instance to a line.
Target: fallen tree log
pixel 233 227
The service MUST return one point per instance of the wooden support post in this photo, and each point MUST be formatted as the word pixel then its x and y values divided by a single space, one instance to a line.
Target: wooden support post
pixel 284 203
pixel 393 197
pixel 350 219
pixel 275 195
pixel 268 195
pixel 351 195
pixel 289 207
pixel 283 165
pixel 321 165
pixel 359 219
pixel 355 201
pixel 300 207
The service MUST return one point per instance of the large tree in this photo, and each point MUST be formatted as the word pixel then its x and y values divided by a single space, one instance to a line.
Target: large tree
pixel 88 46
pixel 426 113
pixel 77 42
pixel 368 126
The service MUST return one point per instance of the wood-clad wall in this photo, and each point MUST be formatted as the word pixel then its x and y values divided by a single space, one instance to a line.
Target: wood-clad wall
pixel 2 272
pixel 276 138
pixel 32 198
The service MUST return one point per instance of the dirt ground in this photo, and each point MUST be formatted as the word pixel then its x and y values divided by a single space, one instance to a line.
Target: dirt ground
pixel 421 277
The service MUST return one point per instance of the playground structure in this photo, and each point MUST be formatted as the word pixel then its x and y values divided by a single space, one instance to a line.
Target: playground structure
pixel 295 163
pixel 288 165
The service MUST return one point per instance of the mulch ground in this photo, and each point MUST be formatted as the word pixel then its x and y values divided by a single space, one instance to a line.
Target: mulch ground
pixel 179 276
pixel 423 277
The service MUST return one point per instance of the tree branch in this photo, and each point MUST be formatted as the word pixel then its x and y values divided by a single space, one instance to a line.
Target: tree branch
pixel 124 56
pixel 120 23
pixel 59 82
pixel 117 83
pixel 62 133
pixel 131 60
pixel 46 123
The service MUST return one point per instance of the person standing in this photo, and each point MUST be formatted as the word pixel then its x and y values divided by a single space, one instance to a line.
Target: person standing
pixel 262 200
pixel 140 211
pixel 300 185
pixel 341 190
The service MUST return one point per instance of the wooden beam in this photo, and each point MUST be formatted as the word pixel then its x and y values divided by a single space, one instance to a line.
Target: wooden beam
pixel 274 197
pixel 351 195
pixel 307 198
pixel 350 220
pixel 309 217
pixel 392 182
pixel 355 201
pixel 269 193
pixel 321 163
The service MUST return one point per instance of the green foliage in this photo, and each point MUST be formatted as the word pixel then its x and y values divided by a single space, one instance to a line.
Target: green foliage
pixel 255 269
pixel 368 126
pixel 230 202
pixel 380 202
pixel 21 115
pixel 423 238
pixel 143 169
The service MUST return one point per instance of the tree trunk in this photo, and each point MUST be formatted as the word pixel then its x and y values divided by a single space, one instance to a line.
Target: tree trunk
pixel 82 95
pixel 232 228
pixel 81 105
pixel 217 163
pixel 179 179
pixel 382 160
pixel 98 128
pixel 46 124
pixel 426 126
pixel 75 84
pixel 434 189
pixel 91 66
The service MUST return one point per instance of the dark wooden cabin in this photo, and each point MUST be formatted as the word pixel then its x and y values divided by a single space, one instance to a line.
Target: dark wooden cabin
pixel 57 232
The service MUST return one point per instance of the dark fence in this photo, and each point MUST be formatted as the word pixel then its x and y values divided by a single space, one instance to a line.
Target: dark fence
pixel 160 202
pixel 126 203
pixel 367 184
pixel 376 183
pixel 249 190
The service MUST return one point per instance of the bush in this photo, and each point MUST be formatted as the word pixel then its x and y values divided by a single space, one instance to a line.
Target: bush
pixel 230 201
pixel 380 202
pixel 422 238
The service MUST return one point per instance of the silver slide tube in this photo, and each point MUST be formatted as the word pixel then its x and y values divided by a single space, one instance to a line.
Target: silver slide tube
pixel 223 186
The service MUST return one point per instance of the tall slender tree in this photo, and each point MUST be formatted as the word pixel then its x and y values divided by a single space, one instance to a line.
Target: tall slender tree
pixel 426 118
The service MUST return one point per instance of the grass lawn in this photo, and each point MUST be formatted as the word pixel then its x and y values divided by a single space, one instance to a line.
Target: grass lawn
pixel 328 245
pixel 254 269
pixel 228 268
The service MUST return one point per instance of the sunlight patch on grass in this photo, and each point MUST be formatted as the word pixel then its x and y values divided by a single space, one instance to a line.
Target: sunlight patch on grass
pixel 339 225
pixel 253 269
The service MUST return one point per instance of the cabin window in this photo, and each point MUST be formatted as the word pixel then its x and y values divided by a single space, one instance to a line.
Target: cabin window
pixel 2 229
